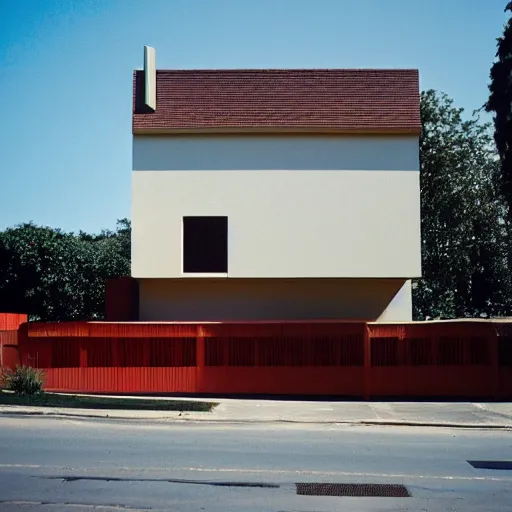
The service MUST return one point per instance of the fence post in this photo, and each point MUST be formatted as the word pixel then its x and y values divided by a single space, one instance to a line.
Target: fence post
pixel 367 362
pixel 83 384
pixel 200 360
pixel 494 341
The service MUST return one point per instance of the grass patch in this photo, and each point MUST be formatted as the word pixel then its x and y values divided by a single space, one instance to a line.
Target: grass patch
pixel 101 402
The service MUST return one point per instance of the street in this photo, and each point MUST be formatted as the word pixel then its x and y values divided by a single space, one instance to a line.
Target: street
pixel 66 464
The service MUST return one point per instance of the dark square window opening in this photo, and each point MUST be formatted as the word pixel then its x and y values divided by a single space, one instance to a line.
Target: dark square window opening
pixel 205 245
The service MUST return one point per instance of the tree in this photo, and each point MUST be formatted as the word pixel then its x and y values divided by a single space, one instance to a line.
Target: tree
pixel 112 255
pixel 52 275
pixel 500 103
pixel 465 230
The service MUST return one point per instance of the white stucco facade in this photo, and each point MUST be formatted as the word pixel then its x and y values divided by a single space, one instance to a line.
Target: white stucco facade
pixel 324 208
pixel 296 207
pixel 209 299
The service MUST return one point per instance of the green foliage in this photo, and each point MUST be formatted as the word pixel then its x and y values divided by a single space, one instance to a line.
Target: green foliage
pixel 23 380
pixel 500 103
pixel 52 275
pixel 465 230
pixel 103 402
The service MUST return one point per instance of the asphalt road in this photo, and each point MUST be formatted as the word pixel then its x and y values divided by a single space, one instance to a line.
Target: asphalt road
pixel 55 464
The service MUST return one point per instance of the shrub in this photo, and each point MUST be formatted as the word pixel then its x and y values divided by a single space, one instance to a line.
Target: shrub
pixel 24 380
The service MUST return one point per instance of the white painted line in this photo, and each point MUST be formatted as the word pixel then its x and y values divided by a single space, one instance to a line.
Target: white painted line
pixel 241 471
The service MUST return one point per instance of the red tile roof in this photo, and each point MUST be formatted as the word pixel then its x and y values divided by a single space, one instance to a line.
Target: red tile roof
pixel 339 100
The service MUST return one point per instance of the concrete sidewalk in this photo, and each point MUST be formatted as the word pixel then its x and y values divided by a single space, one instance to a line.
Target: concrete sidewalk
pixel 460 415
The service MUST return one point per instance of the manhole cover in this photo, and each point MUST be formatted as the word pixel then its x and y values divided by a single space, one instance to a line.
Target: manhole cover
pixel 491 464
pixel 359 490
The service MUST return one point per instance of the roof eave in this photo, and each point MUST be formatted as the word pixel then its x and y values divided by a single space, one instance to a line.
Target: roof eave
pixel 416 131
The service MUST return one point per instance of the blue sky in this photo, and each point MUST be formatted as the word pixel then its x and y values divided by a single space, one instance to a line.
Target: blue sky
pixel 66 68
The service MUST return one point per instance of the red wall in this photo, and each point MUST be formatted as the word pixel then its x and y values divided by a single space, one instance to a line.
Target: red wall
pixel 11 321
pixel 122 300
pixel 9 324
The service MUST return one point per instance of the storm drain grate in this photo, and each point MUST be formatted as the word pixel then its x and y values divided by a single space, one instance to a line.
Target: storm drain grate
pixel 491 464
pixel 357 490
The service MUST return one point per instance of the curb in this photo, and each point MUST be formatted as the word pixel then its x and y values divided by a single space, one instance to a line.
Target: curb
pixel 183 419
pixel 80 416
pixel 91 416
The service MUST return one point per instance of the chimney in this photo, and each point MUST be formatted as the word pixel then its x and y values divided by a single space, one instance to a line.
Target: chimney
pixel 150 77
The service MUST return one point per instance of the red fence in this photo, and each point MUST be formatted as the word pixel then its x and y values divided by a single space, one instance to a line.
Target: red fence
pixel 11 321
pixel 9 324
pixel 439 359
pixel 430 359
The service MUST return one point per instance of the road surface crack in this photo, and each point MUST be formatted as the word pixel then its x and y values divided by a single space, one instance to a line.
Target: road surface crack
pixel 214 483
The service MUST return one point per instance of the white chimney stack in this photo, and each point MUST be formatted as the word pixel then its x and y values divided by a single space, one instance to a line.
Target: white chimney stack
pixel 150 77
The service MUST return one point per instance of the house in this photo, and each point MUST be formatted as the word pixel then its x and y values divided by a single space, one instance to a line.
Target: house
pixel 287 194
pixel 276 228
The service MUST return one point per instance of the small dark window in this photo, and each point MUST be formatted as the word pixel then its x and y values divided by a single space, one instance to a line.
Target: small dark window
pixel 205 244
